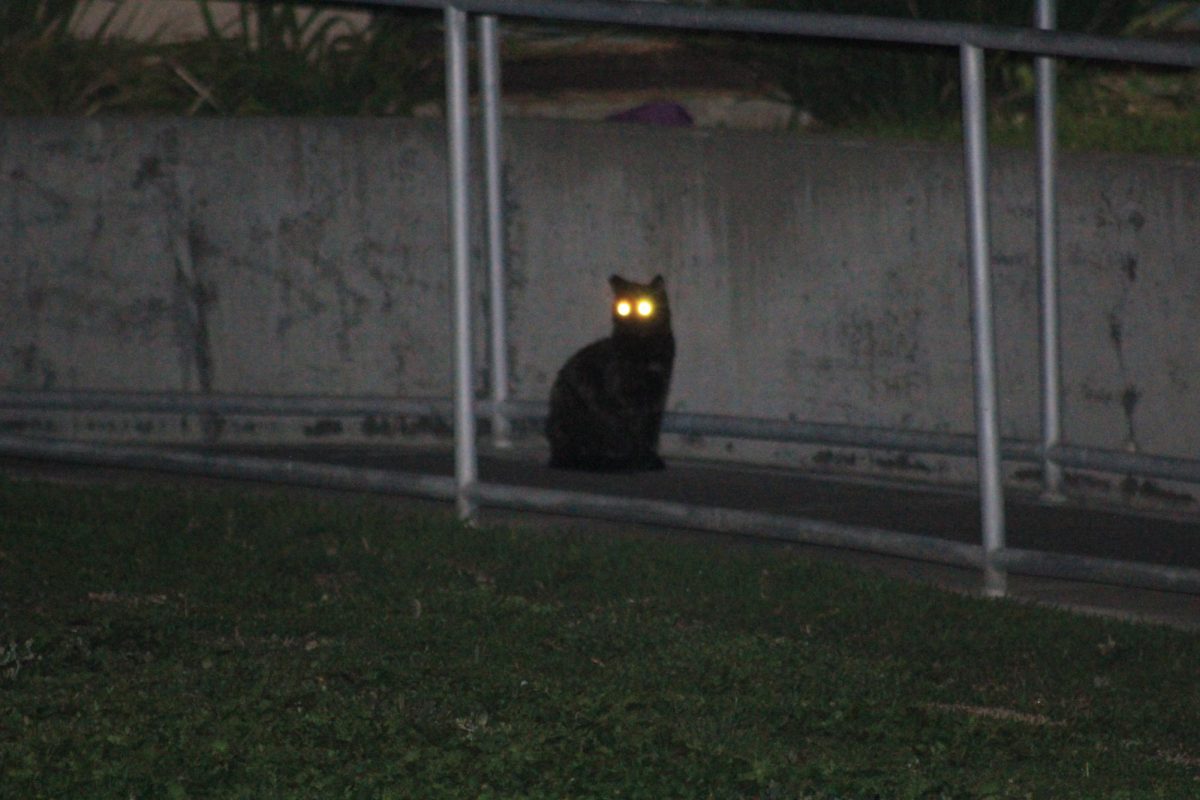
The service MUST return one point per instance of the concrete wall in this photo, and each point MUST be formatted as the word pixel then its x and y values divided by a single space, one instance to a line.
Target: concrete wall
pixel 178 20
pixel 811 278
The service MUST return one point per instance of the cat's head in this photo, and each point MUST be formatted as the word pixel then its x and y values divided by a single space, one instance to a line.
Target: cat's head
pixel 640 309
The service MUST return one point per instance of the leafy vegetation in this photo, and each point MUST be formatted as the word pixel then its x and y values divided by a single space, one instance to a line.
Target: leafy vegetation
pixel 46 69
pixel 913 92
pixel 842 81
pixel 163 642
pixel 281 58
pixel 277 58
pixel 287 59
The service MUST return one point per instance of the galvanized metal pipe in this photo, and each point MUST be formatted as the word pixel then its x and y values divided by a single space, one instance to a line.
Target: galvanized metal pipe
pixel 224 465
pixel 790 430
pixel 1047 232
pixel 1064 566
pixel 832 26
pixel 227 404
pixel 621 509
pixel 832 534
pixel 489 58
pixel 1124 463
pixel 466 468
pixel 728 520
pixel 987 411
pixel 954 444
pixel 528 411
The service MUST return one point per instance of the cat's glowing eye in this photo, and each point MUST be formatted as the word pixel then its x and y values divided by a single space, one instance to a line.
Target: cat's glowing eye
pixel 645 308
pixel 624 308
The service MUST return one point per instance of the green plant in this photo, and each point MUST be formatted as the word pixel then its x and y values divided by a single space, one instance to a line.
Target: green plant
pixel 1162 19
pixel 277 58
pixel 885 84
pixel 46 68
pixel 14 656
pixel 281 59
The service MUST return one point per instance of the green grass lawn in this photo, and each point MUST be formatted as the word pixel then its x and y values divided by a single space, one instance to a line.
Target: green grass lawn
pixel 160 642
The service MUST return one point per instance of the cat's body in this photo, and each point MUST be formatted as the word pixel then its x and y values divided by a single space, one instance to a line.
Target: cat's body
pixel 607 401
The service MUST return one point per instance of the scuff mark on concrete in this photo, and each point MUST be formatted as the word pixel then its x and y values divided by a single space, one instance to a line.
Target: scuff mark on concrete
pixel 1151 490
pixel 1116 332
pixel 376 273
pixel 1087 482
pixel 1143 488
pixel 1123 219
pixel 34 371
pixel 1130 267
pixel 193 299
pixel 193 296
pixel 323 427
pixel 1033 475
pixel 510 202
pixel 903 462
pixel 405 426
pixel 399 351
pixel 352 307
pixel 834 458
pixel 149 170
pixel 1129 401
pixel 29 425
pixel 48 205
pixel 1128 214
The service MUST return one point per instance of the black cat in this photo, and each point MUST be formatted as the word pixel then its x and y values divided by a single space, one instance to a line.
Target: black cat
pixel 607 401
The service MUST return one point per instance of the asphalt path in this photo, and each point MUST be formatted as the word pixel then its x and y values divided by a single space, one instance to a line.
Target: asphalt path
pixel 951 514
pixel 948 514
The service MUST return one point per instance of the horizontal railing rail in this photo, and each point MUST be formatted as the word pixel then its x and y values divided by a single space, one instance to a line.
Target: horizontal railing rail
pixel 820 25
pixel 532 412
pixel 821 533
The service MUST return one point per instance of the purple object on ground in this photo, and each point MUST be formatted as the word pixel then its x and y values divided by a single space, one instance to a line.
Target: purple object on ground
pixel 670 114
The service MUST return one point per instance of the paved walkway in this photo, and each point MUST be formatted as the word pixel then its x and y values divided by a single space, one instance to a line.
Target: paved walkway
pixel 948 514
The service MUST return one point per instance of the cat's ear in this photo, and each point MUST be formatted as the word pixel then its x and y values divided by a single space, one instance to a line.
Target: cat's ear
pixel 658 283
pixel 618 283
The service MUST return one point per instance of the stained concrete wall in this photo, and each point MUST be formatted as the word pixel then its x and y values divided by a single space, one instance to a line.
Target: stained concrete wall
pixel 811 278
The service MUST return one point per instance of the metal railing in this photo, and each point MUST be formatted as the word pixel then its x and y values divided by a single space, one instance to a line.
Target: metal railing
pixel 992 555
pixel 971 41
pixel 532 413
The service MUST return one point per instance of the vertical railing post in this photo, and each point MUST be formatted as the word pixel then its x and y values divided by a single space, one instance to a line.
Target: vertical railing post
pixel 986 396
pixel 466 466
pixel 489 58
pixel 1047 230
